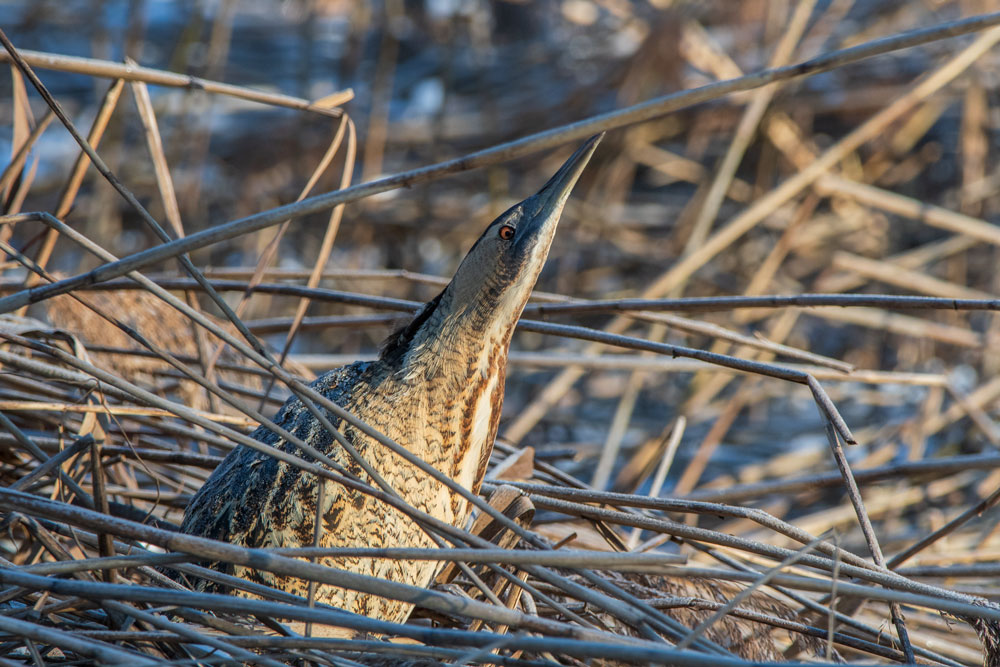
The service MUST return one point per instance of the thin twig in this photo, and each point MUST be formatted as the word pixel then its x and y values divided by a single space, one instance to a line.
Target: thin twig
pixel 112 70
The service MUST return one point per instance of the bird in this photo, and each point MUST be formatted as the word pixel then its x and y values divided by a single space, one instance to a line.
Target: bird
pixel 437 388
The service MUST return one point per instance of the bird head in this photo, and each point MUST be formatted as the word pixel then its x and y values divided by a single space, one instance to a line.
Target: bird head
pixel 493 282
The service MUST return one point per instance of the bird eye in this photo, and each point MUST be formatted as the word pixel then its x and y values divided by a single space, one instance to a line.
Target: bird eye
pixel 506 232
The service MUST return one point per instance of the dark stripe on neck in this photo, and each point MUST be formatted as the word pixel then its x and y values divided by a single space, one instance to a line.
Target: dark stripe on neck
pixel 395 347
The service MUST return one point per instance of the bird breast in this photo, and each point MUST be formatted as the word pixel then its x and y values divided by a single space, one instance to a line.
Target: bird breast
pixel 480 435
pixel 457 439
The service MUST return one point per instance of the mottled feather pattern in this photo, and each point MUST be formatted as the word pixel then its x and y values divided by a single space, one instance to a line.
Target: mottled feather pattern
pixel 247 479
pixel 256 501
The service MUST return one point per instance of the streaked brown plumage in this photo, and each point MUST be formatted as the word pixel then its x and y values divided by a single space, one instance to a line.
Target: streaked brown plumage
pixel 437 388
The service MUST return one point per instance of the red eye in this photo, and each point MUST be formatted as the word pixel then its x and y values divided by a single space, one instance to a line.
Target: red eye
pixel 506 232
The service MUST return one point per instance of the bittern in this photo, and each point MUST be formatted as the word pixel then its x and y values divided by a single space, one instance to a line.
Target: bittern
pixel 437 387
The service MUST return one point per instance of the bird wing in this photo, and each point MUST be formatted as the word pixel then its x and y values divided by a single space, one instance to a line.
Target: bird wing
pixel 233 504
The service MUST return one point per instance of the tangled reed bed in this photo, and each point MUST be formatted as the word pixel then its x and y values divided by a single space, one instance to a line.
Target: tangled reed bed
pixel 734 519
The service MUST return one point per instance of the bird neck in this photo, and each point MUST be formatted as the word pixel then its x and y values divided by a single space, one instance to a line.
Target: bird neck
pixel 457 345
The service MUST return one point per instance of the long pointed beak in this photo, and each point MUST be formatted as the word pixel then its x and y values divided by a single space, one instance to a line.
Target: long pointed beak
pixel 550 200
pixel 559 186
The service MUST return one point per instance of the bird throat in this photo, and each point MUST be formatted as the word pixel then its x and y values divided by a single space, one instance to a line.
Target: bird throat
pixel 459 373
